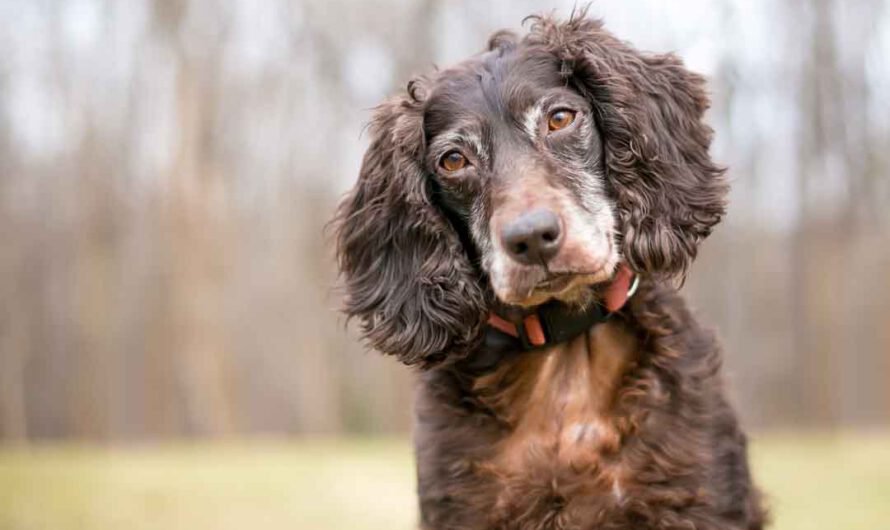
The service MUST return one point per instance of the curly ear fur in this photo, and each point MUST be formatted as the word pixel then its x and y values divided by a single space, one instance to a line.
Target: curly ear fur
pixel 407 277
pixel 668 192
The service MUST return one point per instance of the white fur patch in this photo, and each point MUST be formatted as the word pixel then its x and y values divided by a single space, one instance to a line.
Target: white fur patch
pixel 617 491
pixel 584 432
pixel 532 119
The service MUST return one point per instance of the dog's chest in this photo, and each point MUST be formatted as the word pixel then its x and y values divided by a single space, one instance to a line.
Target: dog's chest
pixel 561 454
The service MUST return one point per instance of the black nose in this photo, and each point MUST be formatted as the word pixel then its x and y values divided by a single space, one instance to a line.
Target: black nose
pixel 533 238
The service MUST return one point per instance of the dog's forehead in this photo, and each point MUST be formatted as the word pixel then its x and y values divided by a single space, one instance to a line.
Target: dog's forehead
pixel 492 85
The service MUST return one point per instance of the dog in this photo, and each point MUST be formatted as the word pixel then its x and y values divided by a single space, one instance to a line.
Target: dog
pixel 517 233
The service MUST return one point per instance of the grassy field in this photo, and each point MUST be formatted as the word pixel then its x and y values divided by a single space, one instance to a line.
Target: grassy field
pixel 814 482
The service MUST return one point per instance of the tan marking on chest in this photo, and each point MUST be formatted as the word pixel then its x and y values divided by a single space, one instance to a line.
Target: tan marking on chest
pixel 559 403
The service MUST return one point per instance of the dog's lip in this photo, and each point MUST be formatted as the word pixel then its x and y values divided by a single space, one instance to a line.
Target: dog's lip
pixel 558 283
pixel 559 280
pixel 555 282
pixel 539 284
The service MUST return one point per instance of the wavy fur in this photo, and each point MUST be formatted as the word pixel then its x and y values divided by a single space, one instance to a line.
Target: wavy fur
pixel 407 275
pixel 669 192
pixel 625 427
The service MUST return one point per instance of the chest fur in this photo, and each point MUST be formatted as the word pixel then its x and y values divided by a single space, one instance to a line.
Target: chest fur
pixel 561 448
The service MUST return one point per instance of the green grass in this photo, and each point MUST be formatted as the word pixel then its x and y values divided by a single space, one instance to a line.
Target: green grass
pixel 814 482
pixel 825 482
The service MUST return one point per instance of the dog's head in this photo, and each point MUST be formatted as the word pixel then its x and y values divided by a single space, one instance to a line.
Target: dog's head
pixel 526 173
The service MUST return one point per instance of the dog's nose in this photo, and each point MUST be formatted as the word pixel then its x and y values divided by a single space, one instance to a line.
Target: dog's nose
pixel 533 238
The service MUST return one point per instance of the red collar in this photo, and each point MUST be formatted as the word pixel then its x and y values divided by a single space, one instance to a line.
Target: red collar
pixel 553 322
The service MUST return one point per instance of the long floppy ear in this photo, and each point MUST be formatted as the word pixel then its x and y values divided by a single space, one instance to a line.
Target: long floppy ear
pixel 668 192
pixel 407 277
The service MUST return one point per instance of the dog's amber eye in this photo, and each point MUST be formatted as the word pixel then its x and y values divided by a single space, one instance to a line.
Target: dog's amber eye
pixel 453 161
pixel 560 119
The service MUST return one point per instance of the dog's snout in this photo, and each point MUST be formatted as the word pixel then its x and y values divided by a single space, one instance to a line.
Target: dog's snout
pixel 534 237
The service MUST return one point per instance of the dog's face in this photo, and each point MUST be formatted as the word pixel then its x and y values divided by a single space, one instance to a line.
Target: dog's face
pixel 520 175
pixel 516 160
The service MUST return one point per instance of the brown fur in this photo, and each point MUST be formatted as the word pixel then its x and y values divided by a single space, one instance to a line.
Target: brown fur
pixel 623 427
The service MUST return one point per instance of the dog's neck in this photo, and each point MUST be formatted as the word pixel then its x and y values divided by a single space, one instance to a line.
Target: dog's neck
pixel 561 398
pixel 513 330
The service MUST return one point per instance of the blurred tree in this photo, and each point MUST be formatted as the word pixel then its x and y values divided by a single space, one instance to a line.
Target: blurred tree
pixel 167 168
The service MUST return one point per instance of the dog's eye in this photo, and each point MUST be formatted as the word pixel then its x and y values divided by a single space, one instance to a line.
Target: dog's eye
pixel 560 119
pixel 453 161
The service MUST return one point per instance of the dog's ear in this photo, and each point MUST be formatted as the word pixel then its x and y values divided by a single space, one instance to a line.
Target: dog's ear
pixel 668 192
pixel 407 277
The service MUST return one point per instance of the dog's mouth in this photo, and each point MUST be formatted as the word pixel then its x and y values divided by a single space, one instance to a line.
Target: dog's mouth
pixel 555 283
pixel 569 287
pixel 538 286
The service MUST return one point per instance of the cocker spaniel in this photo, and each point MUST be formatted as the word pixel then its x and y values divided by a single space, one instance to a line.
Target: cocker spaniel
pixel 517 232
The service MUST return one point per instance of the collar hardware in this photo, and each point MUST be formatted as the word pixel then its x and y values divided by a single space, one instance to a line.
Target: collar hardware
pixel 551 323
pixel 554 322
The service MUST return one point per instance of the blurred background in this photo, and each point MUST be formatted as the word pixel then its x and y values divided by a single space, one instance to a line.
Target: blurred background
pixel 170 351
